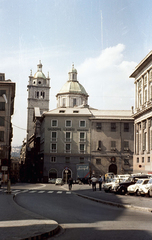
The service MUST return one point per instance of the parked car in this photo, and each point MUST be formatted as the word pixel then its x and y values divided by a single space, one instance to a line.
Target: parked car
pixel 146 189
pixel 52 180
pixel 59 181
pixel 109 186
pixel 134 188
pixel 122 187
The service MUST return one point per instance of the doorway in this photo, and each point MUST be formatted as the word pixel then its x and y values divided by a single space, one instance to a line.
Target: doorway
pixel 52 173
pixel 113 168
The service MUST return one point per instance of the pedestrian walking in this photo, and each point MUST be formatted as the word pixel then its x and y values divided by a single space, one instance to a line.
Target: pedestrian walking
pixel 70 182
pixel 100 183
pixel 94 181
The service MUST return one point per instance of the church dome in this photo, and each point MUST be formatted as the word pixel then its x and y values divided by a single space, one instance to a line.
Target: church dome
pixel 73 87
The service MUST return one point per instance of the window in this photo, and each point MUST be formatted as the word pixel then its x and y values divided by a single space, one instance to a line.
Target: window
pixel 67 159
pixel 53 136
pixel 36 94
pixel 145 95
pixel 151 91
pixel 99 145
pixel 82 137
pixel 2 106
pixel 113 145
pixel 1 136
pixel 74 102
pixel 82 123
pixel 148 160
pixel 98 126
pixel 126 161
pixel 43 95
pixel 126 127
pixel 145 79
pixel 54 123
pixel 68 148
pixel 53 147
pixel 82 148
pixel 98 161
pixel 113 127
pixel 144 141
pixel 2 121
pixel 68 123
pixel 126 145
pixel 64 102
pixel 142 159
pixel 68 136
pixel 81 160
pixel 53 159
pixel 2 92
pixel 140 98
pixel 137 160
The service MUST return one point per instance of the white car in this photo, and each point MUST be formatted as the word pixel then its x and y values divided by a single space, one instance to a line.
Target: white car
pixel 134 188
pixel 110 185
pixel 146 189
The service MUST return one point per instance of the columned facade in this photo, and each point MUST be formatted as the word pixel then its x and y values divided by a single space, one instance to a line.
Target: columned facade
pixel 142 160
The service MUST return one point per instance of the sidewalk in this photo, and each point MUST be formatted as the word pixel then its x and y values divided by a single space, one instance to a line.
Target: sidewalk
pixel 132 202
pixel 17 223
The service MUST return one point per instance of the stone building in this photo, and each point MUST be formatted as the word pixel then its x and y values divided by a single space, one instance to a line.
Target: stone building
pixel 77 140
pixel 38 96
pixel 7 95
pixel 142 159
pixel 111 141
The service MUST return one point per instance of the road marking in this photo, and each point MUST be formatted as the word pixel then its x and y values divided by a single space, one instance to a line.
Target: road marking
pixel 68 192
pixel 59 192
pixel 15 191
pixel 50 191
pixel 25 191
pixel 32 191
pixel 41 191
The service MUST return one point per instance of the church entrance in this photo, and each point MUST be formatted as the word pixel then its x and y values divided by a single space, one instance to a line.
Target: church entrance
pixel 113 168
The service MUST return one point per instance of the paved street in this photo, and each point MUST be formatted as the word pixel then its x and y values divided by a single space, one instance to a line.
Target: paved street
pixel 81 218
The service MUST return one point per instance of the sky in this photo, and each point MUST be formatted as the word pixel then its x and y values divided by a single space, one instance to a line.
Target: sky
pixel 105 39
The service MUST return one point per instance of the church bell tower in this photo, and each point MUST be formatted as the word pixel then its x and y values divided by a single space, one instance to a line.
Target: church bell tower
pixel 38 96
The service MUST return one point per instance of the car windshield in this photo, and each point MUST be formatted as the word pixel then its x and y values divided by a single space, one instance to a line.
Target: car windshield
pixel 139 181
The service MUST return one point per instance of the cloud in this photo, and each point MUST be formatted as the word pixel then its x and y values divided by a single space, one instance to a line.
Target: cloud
pixel 106 79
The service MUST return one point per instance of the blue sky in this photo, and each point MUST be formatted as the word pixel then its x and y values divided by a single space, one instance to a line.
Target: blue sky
pixel 105 39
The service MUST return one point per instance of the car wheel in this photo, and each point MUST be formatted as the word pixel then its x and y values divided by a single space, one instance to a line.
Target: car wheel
pixel 123 191
pixel 137 192
pixel 148 194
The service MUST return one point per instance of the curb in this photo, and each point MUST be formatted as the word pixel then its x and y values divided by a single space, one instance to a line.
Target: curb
pixel 43 235
pixel 119 205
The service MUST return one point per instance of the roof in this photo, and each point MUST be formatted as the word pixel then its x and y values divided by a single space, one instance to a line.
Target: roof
pixel 93 113
pixel 112 114
pixel 39 74
pixel 141 65
pixel 73 87
pixel 69 111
